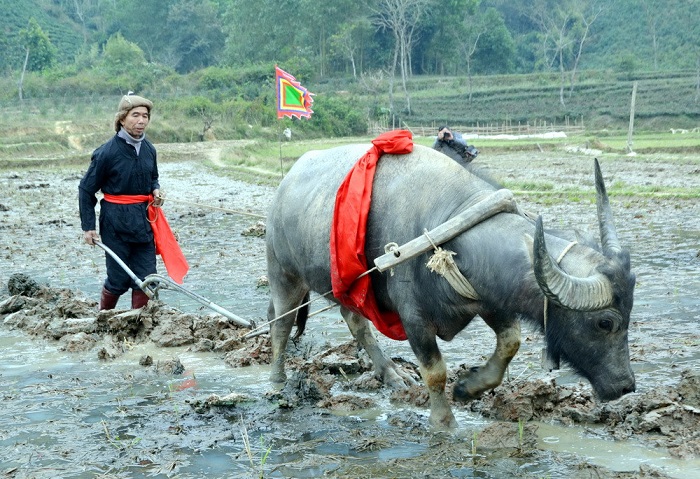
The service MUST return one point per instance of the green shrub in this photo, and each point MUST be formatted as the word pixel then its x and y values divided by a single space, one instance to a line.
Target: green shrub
pixel 193 106
pixel 214 78
pixel 120 55
pixel 335 116
pixel 257 74
pixel 258 112
pixel 627 64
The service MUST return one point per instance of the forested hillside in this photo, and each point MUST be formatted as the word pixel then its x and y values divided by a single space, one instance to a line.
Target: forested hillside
pixel 368 61
pixel 60 28
pixel 354 37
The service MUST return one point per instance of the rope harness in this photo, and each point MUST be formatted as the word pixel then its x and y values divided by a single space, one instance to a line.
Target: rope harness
pixel 259 330
pixel 227 210
pixel 441 262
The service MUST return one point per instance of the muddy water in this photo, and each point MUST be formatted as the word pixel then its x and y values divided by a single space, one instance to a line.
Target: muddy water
pixel 71 415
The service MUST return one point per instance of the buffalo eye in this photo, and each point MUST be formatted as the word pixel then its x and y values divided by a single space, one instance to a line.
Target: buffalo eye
pixel 606 324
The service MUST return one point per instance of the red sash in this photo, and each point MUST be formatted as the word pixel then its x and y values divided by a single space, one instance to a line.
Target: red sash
pixel 348 231
pixel 166 244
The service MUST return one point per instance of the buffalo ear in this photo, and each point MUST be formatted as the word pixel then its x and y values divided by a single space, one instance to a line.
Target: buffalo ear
pixel 587 238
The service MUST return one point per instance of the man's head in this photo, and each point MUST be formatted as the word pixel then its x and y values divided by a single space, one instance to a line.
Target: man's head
pixel 444 133
pixel 133 113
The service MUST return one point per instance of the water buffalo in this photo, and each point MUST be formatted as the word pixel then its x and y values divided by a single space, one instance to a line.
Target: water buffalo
pixel 517 269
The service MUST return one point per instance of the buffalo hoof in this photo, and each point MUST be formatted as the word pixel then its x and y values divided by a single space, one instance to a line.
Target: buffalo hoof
pixel 464 390
pixel 395 377
pixel 278 379
pixel 443 422
pixel 462 394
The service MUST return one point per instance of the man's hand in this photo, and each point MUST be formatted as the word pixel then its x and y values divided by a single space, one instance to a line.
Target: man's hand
pixel 90 237
pixel 158 198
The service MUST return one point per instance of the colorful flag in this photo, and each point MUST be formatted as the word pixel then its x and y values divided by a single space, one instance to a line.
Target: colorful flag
pixel 292 98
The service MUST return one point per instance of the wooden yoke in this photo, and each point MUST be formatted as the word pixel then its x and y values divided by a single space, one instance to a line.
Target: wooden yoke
pixel 496 202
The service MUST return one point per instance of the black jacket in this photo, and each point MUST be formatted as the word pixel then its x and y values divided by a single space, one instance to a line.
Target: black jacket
pixel 116 169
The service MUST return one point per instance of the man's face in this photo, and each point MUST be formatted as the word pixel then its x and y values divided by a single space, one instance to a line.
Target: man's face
pixel 445 134
pixel 136 121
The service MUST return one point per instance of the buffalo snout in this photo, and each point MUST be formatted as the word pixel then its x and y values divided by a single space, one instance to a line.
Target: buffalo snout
pixel 609 393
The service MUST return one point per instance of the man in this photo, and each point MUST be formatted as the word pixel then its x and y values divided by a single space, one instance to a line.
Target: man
pixel 125 169
pixel 454 146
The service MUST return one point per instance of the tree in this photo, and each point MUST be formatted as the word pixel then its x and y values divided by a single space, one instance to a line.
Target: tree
pixel 82 11
pixel 581 30
pixel 324 20
pixel 296 31
pixel 496 48
pixel 683 40
pixel 149 29
pixel 654 12
pixel 554 21
pixel 39 53
pixel 443 32
pixel 697 79
pixel 347 42
pixel 120 55
pixel 265 31
pixel 400 17
pixel 564 29
pixel 195 35
pixel 6 46
pixel 469 31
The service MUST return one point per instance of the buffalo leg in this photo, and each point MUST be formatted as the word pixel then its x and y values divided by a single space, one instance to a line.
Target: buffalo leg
pixel 487 377
pixel 433 370
pixel 384 367
pixel 282 327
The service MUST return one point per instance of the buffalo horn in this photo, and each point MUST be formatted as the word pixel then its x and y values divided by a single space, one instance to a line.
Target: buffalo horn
pixel 608 234
pixel 581 294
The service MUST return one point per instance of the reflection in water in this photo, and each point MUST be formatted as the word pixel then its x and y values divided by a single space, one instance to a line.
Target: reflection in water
pixel 618 456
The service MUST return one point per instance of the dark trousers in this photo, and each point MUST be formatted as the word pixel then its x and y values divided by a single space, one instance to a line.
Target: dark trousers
pixel 139 257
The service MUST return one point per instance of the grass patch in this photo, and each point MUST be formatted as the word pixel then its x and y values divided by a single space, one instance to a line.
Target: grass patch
pixel 575 195
pixel 254 176
pixel 270 157
pixel 529 186
pixel 650 142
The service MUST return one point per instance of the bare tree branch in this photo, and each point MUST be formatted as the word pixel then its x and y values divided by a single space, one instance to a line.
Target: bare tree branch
pixel 587 20
pixel 564 24
pixel 401 18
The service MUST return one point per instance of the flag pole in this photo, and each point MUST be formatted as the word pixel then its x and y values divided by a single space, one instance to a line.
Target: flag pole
pixel 279 137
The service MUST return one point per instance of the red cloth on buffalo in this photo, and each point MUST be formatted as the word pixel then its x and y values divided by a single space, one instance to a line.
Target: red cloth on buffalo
pixel 348 231
pixel 166 244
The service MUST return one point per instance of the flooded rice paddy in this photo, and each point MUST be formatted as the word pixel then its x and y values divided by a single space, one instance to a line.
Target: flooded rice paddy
pixel 82 414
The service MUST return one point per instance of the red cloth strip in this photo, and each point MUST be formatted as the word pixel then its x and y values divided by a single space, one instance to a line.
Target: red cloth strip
pixel 166 244
pixel 348 232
